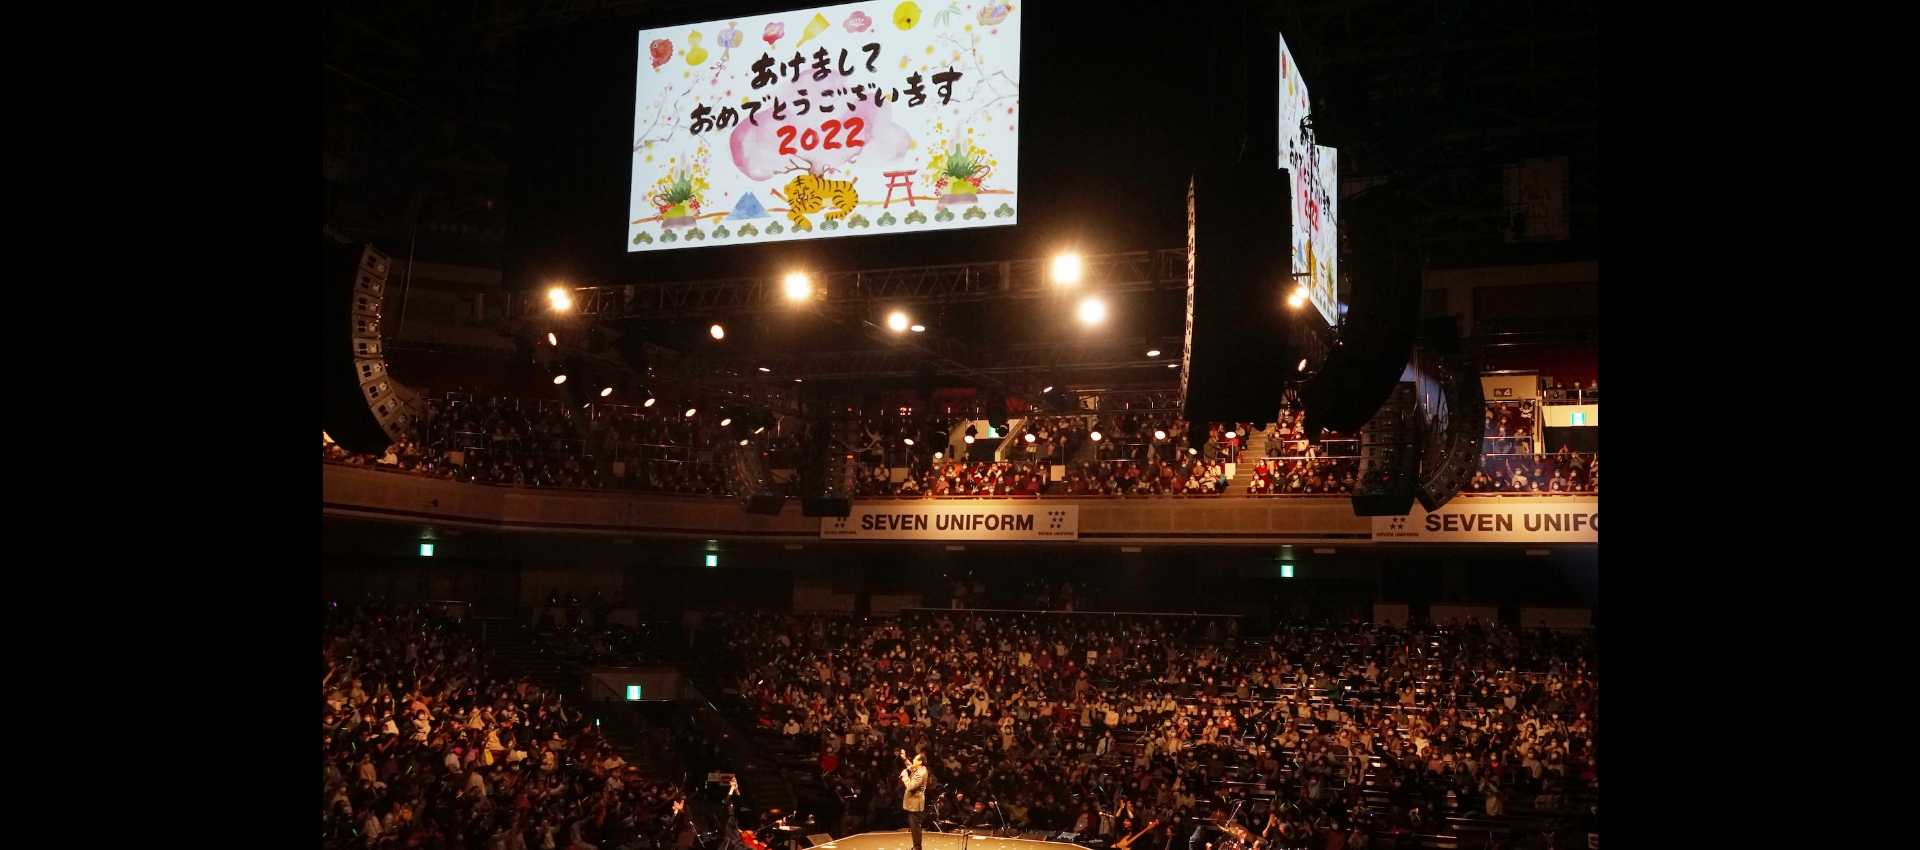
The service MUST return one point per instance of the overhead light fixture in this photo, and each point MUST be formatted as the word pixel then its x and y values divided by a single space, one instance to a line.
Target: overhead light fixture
pixel 918 328
pixel 743 442
pixel 897 321
pixel 606 391
pixel 939 455
pixel 1159 434
pixel 759 429
pixel 1229 435
pixel 717 332
pixel 1029 437
pixel 1173 365
pixel 1153 352
pixel 1066 268
pixel 1047 390
pixel 559 379
pixel 968 439
pixel 908 441
pixel 1092 311
pixel 691 411
pixel 1095 436
pixel 559 299
pixel 1302 367
pixel 798 287
pixel 553 340
pixel 729 421
pixel 649 402
pixel 1192 451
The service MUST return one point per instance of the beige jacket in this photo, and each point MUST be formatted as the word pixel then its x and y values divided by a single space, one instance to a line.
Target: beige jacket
pixel 915 778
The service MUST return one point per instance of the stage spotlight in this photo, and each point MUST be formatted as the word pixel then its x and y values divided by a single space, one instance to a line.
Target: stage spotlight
pixel 560 379
pixel 759 429
pixel 743 442
pixel 1047 390
pixel 1153 352
pixel 1159 434
pixel 939 455
pixel 1066 268
pixel 553 340
pixel 717 332
pixel 1229 435
pixel 606 391
pixel 968 439
pixel 1193 451
pixel 1302 367
pixel 798 287
pixel 1095 435
pixel 1298 298
pixel 691 411
pixel 1029 437
pixel 1173 365
pixel 765 369
pixel 649 402
pixel 907 440
pixel 918 328
pixel 725 422
pixel 897 321
pixel 1092 311
pixel 559 299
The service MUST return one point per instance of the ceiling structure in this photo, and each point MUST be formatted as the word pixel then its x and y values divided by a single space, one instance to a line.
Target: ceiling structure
pixel 1442 96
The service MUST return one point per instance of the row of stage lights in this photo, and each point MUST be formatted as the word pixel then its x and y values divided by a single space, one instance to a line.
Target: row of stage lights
pixel 1065 271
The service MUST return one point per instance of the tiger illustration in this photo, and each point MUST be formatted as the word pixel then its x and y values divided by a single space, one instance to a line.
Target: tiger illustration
pixel 809 194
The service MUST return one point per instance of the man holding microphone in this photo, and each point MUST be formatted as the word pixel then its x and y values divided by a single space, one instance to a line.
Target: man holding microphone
pixel 914 801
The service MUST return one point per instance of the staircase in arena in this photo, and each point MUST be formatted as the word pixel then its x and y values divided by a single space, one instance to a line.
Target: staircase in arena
pixel 1254 448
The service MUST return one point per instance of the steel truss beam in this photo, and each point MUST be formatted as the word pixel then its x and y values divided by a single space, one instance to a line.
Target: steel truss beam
pixel 1136 271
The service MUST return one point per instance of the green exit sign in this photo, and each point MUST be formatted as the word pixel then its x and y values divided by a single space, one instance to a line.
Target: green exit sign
pixel 633 693
pixel 1286 571
pixel 1579 418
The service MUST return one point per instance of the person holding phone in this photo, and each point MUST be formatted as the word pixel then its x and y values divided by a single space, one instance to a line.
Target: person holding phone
pixel 914 799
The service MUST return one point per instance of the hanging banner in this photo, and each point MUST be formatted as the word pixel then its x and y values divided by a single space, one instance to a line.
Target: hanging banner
pixel 956 520
pixel 1496 520
pixel 849 120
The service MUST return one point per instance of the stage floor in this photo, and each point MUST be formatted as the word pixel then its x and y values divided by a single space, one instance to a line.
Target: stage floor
pixel 930 840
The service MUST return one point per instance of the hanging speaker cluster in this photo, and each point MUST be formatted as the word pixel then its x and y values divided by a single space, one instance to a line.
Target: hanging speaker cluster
pixel 364 408
pixel 1452 415
pixel 747 476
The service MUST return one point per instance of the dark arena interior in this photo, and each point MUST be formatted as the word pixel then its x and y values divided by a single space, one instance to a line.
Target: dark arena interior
pixel 761 426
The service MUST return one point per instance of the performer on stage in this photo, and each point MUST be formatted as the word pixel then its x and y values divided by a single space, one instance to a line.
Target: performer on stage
pixel 914 801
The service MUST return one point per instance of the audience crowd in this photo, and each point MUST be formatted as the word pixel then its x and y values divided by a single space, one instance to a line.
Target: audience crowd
pixel 1312 736
pixel 505 441
pixel 427 742
pixel 1565 471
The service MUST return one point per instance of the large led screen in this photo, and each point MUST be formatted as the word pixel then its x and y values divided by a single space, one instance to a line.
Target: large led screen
pixel 1316 194
pixel 850 120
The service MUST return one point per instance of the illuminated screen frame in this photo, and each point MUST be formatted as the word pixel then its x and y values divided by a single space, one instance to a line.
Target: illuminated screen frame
pixel 718 160
pixel 1315 176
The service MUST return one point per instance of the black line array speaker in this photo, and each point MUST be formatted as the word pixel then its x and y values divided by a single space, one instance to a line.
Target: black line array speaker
pixel 1383 315
pixel 1389 462
pixel 1454 421
pixel 1239 271
pixel 363 407
pixel 747 474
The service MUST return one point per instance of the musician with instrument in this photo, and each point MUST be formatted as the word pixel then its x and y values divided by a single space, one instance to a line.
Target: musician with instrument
pixel 913 799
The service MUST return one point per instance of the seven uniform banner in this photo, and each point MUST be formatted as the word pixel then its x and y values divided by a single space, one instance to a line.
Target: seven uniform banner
pixel 1495 520
pixel 956 521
